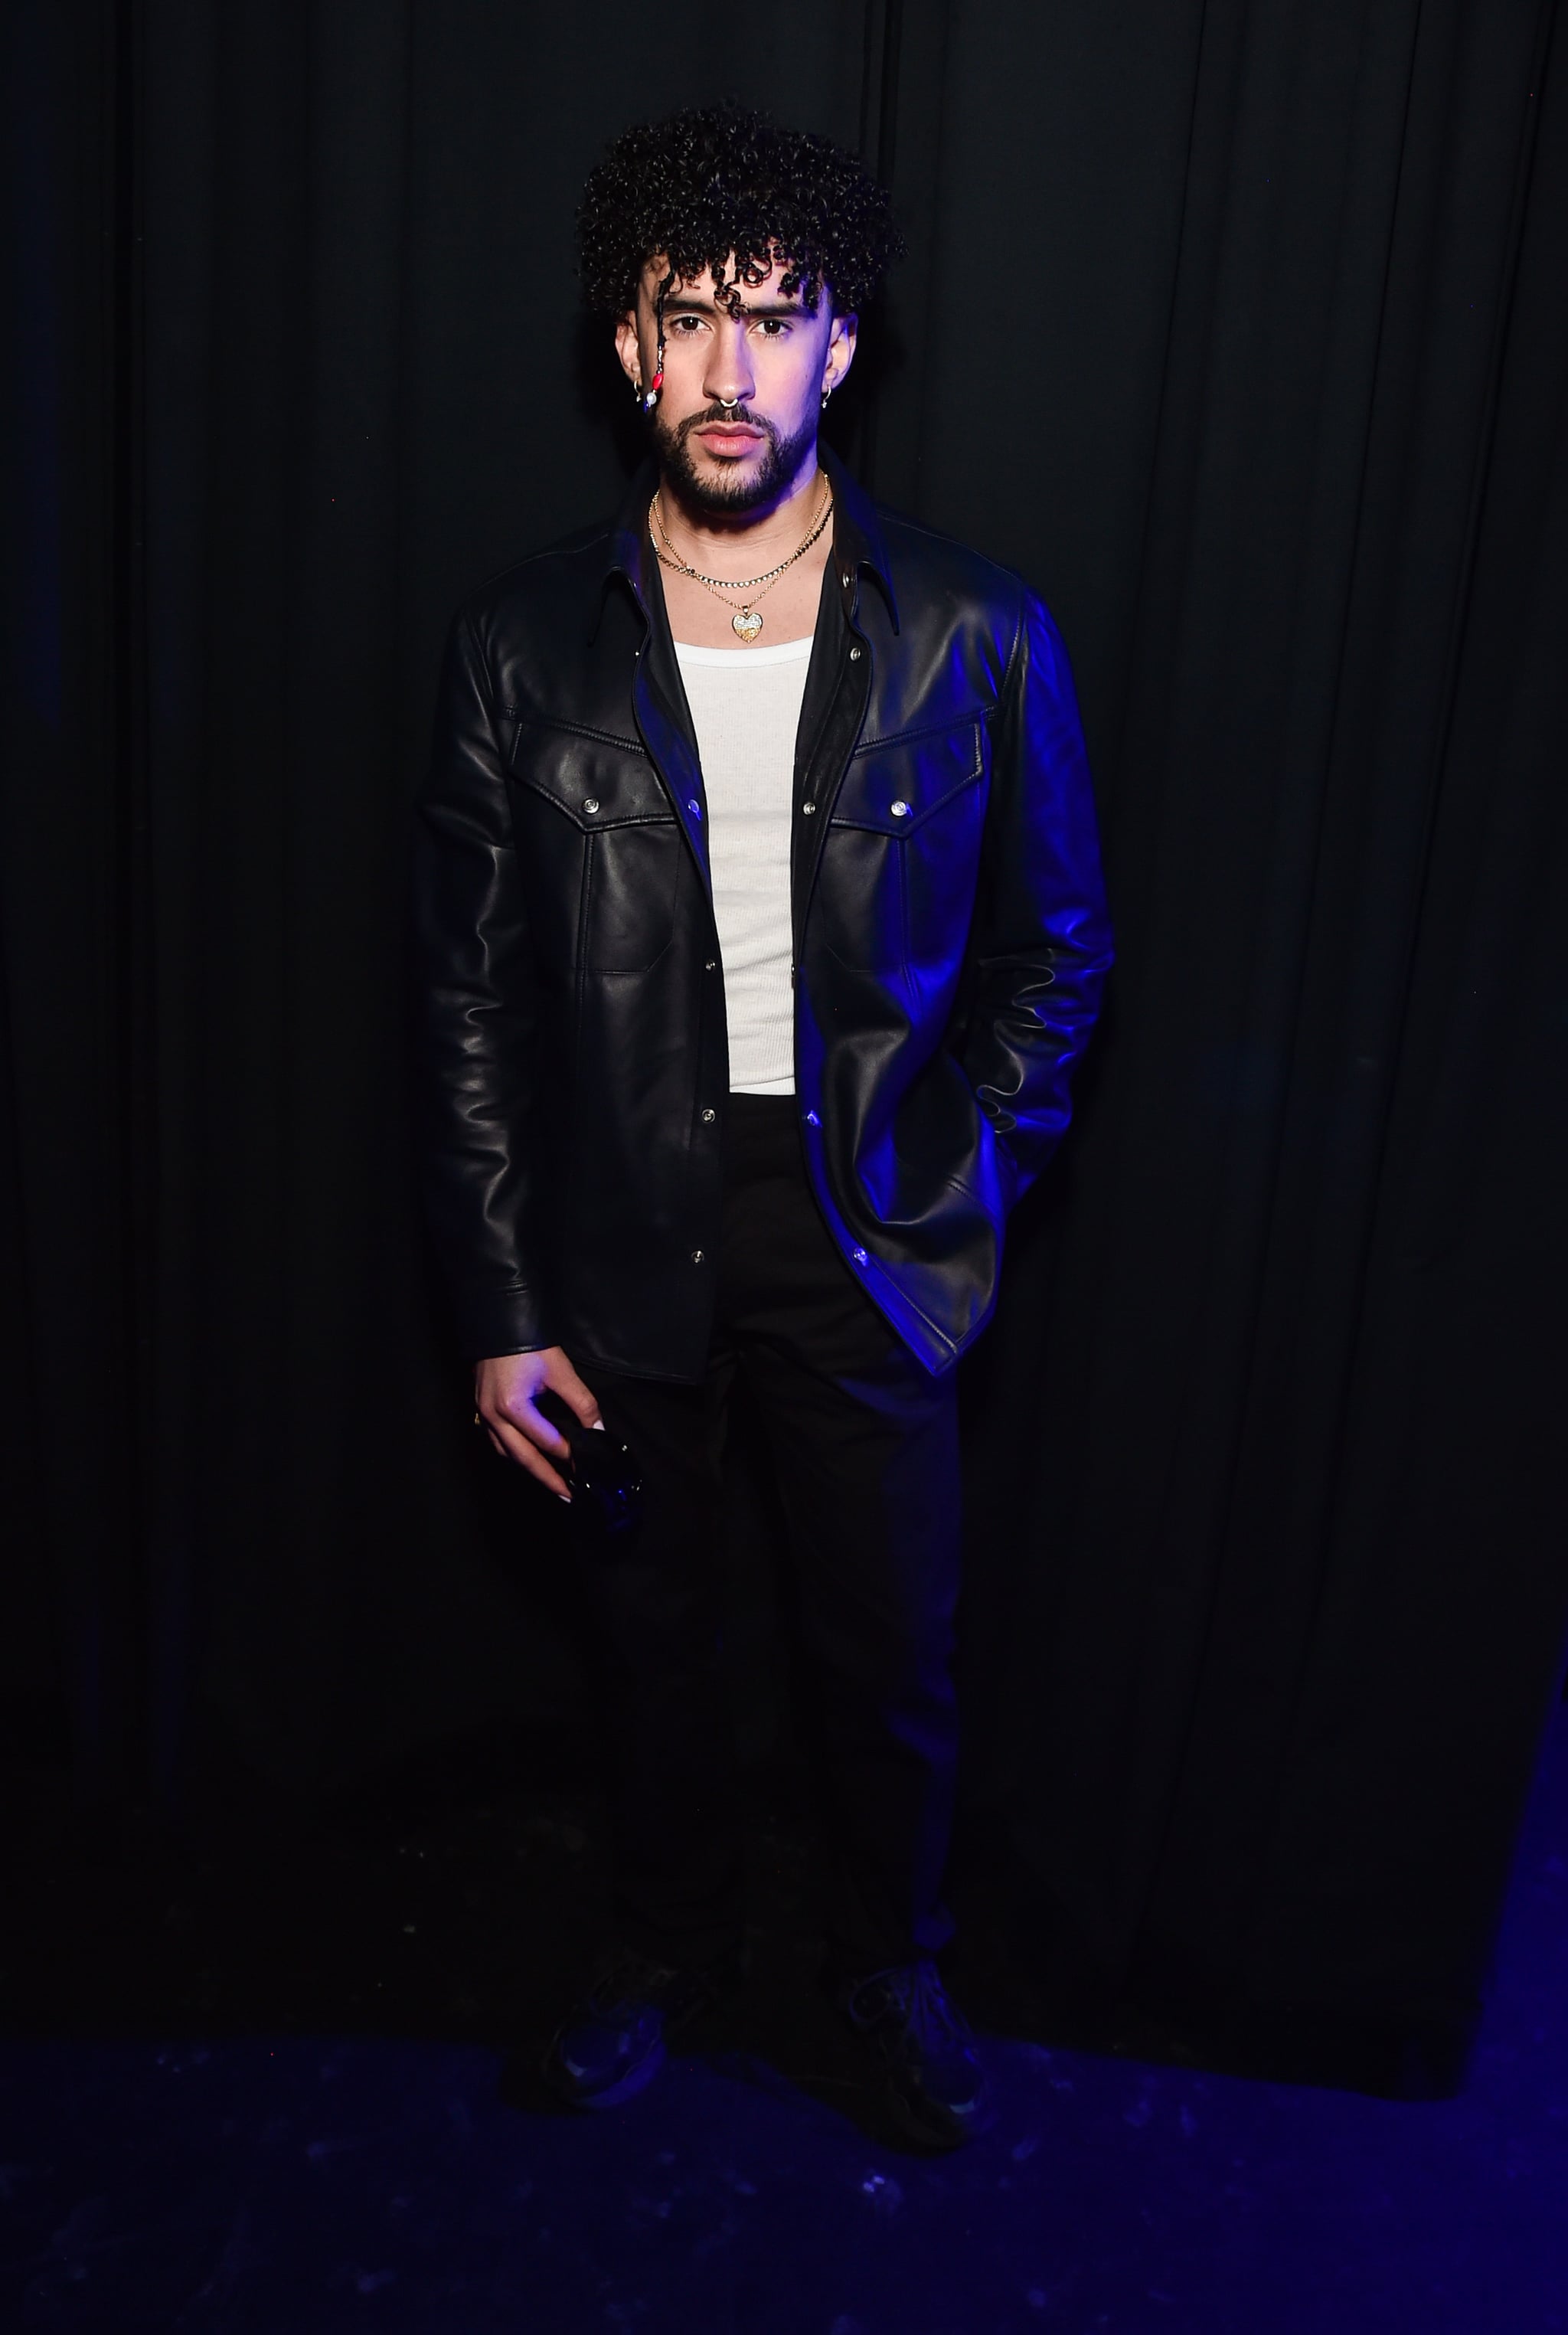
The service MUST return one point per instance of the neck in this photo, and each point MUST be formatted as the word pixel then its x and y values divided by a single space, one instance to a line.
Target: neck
pixel 707 535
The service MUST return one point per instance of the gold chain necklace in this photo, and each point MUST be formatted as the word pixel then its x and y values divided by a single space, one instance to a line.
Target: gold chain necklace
pixel 747 621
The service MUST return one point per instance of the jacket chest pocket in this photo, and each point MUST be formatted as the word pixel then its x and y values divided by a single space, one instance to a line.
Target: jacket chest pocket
pixel 599 847
pixel 906 828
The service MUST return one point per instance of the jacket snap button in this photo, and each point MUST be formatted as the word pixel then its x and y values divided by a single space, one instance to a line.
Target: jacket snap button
pixel 695 809
pixel 708 1116
pixel 696 1257
pixel 858 1255
pixel 592 805
pixel 854 656
pixel 812 1120
pixel 845 577
pixel 711 965
pixel 900 810
pixel 807 809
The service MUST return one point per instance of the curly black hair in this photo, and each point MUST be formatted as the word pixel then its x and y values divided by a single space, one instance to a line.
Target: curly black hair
pixel 712 181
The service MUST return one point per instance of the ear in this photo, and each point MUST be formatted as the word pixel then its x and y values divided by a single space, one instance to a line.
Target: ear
pixel 628 350
pixel 840 356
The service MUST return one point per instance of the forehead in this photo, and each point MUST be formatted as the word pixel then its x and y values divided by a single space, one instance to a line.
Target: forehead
pixel 697 291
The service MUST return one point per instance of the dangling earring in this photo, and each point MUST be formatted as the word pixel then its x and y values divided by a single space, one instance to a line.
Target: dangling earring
pixel 828 392
pixel 648 398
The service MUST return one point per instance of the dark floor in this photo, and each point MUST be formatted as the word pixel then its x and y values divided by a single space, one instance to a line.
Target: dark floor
pixel 267 2097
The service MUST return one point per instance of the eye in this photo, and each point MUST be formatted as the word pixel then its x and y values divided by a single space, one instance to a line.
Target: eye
pixel 773 328
pixel 683 328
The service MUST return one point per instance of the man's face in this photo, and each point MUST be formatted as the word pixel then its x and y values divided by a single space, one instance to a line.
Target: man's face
pixel 736 421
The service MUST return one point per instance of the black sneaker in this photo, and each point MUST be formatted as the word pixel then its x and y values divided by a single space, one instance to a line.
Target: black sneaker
pixel 611 2043
pixel 934 2078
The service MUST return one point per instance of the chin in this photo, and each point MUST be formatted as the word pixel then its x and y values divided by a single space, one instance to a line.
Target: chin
pixel 729 486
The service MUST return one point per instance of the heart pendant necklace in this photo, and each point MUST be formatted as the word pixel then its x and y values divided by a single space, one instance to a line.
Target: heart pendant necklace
pixel 746 620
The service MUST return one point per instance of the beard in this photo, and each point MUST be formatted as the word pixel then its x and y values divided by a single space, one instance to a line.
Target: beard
pixel 738 488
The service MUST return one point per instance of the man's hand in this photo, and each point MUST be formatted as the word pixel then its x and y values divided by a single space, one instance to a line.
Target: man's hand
pixel 506 1387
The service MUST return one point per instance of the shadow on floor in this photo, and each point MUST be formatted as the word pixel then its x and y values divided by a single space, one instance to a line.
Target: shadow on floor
pixel 281 2079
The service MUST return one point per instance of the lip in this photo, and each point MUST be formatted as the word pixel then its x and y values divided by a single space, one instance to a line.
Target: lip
pixel 725 438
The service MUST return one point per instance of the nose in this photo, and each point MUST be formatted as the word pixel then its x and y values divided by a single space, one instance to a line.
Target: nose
pixel 730 379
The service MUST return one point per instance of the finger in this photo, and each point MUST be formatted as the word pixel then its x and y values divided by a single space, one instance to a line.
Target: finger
pixel 519 1413
pixel 529 1420
pixel 513 1445
pixel 578 1397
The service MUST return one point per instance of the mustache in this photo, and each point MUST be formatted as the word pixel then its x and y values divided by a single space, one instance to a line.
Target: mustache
pixel 726 413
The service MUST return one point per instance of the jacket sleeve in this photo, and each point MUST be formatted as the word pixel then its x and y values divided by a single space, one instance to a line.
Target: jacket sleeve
pixel 1040 945
pixel 476 1013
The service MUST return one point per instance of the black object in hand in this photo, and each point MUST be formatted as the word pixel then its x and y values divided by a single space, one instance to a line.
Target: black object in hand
pixel 606 1481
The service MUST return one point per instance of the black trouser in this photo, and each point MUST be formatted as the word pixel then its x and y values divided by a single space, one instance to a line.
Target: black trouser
pixel 864 1442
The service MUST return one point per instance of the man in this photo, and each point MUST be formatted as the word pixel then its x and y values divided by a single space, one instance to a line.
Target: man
pixel 761 926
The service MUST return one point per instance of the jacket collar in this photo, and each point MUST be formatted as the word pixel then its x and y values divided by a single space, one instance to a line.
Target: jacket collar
pixel 627 544
pixel 858 544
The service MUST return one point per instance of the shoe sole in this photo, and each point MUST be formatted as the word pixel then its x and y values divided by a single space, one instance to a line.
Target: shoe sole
pixel 955 2135
pixel 638 2080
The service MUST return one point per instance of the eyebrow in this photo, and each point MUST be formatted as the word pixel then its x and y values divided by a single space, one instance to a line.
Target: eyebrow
pixel 685 304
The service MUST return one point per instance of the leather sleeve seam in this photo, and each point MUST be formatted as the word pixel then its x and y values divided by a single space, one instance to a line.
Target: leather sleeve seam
pixel 1014 654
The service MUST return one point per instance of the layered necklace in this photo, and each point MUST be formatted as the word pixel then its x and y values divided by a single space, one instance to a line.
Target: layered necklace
pixel 747 618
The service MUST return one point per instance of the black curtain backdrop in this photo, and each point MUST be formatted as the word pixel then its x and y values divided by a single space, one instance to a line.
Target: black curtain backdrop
pixel 1238 326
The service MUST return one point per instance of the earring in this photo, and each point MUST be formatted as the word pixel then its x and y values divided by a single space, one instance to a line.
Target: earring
pixel 828 392
pixel 649 397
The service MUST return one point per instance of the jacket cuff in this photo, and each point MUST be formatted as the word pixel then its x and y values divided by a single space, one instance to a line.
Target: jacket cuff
pixel 500 1321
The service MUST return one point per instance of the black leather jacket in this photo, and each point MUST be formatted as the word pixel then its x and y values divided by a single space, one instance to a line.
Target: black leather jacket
pixel 950 942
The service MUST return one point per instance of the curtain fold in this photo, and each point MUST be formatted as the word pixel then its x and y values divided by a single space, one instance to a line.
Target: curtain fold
pixel 1235 325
